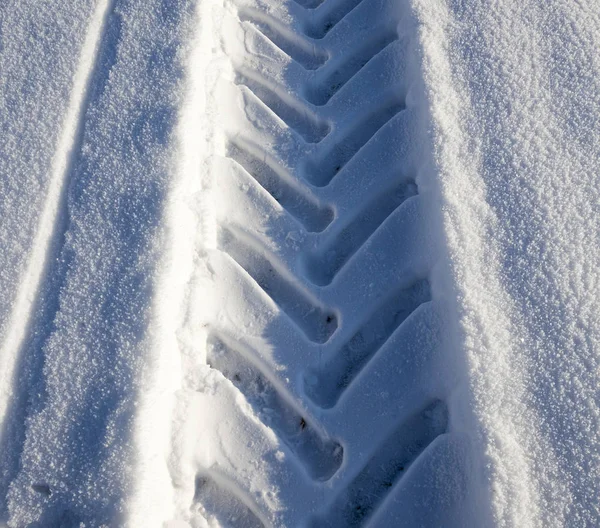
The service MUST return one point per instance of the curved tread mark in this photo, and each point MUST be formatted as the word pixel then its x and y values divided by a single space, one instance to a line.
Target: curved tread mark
pixel 326 383
pixel 317 322
pixel 281 185
pixel 287 108
pixel 354 61
pixel 215 498
pixel 321 172
pixel 354 505
pixel 329 15
pixel 304 52
pixel 324 265
pixel 320 455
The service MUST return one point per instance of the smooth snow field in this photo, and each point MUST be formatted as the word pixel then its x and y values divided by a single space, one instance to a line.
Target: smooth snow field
pixel 299 263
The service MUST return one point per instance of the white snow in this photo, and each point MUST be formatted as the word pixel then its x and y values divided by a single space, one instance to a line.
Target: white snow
pixel 278 263
pixel 514 98
pixel 69 450
pixel 59 173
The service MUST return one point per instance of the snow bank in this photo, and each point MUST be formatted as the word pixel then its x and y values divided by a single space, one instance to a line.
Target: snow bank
pixel 514 104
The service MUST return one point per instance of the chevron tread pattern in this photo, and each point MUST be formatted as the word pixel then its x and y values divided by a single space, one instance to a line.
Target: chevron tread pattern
pixel 328 254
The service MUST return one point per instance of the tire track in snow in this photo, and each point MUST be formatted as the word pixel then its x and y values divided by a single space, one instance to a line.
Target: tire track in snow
pixel 314 277
pixel 49 232
pixel 321 455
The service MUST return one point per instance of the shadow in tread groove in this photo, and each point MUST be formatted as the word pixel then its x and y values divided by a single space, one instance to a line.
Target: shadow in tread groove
pixel 320 93
pixel 213 500
pixel 329 14
pixel 317 323
pixel 280 185
pixel 354 505
pixel 304 52
pixel 309 4
pixel 293 113
pixel 321 172
pixel 327 382
pixel 324 265
pixel 321 456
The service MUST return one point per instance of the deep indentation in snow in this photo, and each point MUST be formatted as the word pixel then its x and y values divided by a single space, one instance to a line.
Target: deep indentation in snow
pixel 42 488
pixel 320 455
pixel 326 382
pixel 335 251
pixel 317 322
pixel 355 504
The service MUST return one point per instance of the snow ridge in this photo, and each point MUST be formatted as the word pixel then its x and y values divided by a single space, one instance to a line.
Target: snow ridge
pixel 52 212
pixel 84 370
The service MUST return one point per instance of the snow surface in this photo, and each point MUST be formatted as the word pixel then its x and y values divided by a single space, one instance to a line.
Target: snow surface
pixel 514 93
pixel 269 265
pixel 68 444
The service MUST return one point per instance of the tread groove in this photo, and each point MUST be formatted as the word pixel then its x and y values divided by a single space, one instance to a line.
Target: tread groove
pixel 320 456
pixel 317 323
pixel 326 383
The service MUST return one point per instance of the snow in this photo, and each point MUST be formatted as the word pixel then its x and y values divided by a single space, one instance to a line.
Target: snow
pixel 71 456
pixel 299 263
pixel 516 102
